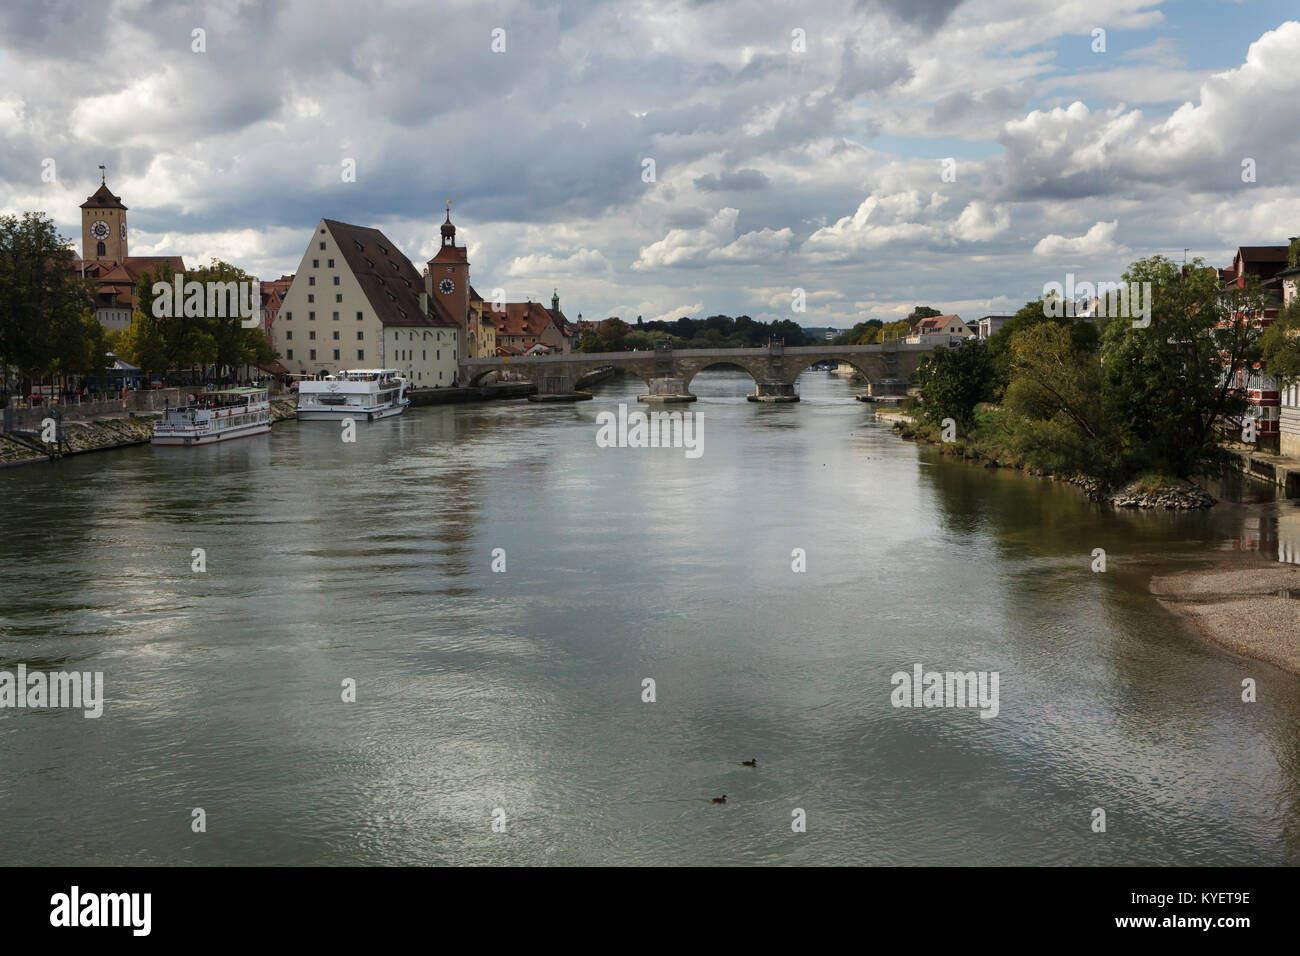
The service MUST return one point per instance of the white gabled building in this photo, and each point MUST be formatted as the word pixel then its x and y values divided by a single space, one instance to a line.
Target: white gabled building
pixel 357 302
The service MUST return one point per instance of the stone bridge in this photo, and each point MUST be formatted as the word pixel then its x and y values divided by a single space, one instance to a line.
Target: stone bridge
pixel 668 372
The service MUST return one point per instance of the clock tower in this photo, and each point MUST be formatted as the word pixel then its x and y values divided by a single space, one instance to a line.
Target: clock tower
pixel 103 225
pixel 448 281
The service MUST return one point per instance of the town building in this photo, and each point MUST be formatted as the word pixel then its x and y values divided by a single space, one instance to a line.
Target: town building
pixel 988 325
pixel 1289 398
pixel 1261 389
pixel 356 301
pixel 523 325
pixel 945 329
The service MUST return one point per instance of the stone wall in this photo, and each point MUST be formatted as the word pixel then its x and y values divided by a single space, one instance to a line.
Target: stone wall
pixel 148 402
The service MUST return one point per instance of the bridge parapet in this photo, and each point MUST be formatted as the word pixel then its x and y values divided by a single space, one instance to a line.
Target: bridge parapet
pixel 775 363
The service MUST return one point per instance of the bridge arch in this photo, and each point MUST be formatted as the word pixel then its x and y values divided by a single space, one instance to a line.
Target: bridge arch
pixel 691 368
pixel 867 366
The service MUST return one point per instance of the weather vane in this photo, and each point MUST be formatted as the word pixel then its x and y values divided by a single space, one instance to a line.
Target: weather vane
pixel 101 174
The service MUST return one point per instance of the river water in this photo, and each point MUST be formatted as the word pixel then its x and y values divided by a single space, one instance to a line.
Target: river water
pixel 521 691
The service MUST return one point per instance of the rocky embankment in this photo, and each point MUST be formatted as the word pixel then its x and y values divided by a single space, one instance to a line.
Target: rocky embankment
pixel 101 435
pixel 1174 495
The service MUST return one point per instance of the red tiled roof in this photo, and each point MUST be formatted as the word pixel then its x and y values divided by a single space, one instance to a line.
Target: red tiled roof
pixel 934 322
pixel 522 318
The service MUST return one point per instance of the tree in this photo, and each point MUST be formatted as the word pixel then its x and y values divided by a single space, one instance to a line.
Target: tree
pixel 1084 335
pixel 1169 385
pixel 143 344
pixel 1052 407
pixel 43 304
pixel 1280 345
pixel 952 381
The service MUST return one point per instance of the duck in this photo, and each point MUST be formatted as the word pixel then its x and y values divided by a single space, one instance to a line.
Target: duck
pixel 749 763
pixel 721 799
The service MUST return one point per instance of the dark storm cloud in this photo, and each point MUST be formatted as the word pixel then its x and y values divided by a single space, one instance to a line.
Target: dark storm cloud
pixel 925 13
pixel 724 181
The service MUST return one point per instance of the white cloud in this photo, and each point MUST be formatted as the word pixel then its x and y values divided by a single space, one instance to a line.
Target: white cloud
pixel 1098 240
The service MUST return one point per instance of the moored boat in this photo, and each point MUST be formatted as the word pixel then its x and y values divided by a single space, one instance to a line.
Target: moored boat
pixel 215 416
pixel 368 393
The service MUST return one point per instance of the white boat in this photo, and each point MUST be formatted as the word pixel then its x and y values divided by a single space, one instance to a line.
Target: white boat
pixel 215 416
pixel 368 393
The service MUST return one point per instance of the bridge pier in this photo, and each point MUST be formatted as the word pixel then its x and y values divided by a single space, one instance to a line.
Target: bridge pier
pixel 773 392
pixel 557 388
pixel 665 390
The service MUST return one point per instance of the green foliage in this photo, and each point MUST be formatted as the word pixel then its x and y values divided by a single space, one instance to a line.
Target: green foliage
pixel 1167 387
pixel 952 381
pixel 46 326
pixel 864 333
pixel 1280 345
pixel 717 331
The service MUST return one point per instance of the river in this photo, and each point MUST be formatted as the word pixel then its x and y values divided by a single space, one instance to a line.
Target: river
pixel 521 691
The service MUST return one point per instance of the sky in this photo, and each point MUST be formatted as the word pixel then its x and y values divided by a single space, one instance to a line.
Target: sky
pixel 876 154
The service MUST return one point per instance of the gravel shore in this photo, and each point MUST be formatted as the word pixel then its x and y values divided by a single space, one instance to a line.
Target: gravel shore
pixel 1242 606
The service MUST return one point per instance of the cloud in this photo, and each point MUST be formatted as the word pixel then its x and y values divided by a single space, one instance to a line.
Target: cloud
pixel 1098 240
pixel 724 181
pixel 714 242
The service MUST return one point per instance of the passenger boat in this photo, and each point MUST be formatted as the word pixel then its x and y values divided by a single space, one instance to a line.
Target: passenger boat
pixel 215 416
pixel 368 393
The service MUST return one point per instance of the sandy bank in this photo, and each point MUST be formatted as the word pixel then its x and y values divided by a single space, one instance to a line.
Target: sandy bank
pixel 1241 606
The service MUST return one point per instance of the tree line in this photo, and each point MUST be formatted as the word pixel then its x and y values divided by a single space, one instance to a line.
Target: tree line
pixel 715 332
pixel 49 332
pixel 1113 398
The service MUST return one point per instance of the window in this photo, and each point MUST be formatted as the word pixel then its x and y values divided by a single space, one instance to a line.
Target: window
pixel 288 354
pixel 424 355
pixel 313 354
pixel 311 280
pixel 437 356
pixel 358 316
pixel 336 355
pixel 336 335
pixel 310 297
pixel 100 250
pixel 315 264
pixel 311 316
pixel 361 336
pixel 336 278
pixel 361 355
pixel 331 264
pixel 288 336
pixel 288 316
pixel 312 335
pixel 336 316
pixel 322 245
pixel 338 297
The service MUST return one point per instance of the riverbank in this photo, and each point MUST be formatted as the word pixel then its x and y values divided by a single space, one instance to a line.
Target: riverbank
pixel 102 435
pixel 1144 492
pixel 1248 605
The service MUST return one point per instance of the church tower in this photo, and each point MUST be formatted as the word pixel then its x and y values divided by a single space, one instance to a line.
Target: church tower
pixel 103 225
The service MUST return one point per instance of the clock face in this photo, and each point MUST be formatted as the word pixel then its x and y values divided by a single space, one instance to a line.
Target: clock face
pixel 99 229
pixel 123 230
pixel 446 287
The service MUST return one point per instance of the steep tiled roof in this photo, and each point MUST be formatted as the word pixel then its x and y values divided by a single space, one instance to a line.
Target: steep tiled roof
pixel 389 281
pixel 522 318
pixel 103 199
